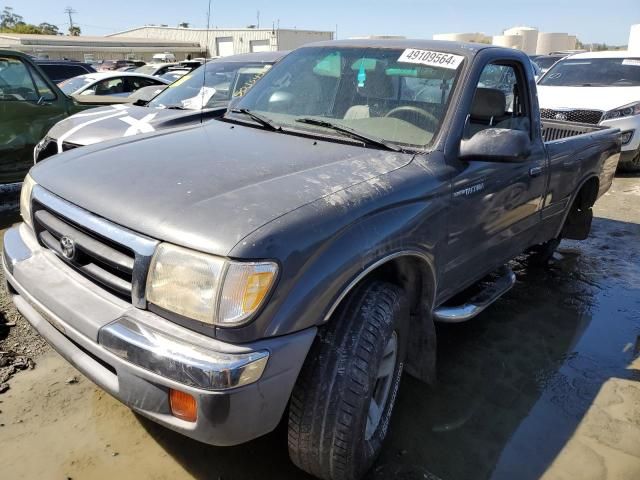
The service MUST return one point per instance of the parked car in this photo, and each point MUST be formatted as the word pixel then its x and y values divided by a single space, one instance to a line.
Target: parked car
pixel 293 255
pixel 597 88
pixel 61 70
pixel 109 83
pixel 545 62
pixel 173 75
pixel 30 104
pixel 155 69
pixel 163 58
pixel 199 95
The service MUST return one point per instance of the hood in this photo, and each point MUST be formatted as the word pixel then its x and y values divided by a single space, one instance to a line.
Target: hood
pixel 118 121
pixel 586 98
pixel 208 186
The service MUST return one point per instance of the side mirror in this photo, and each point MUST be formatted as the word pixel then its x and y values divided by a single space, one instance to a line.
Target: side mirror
pixel 496 144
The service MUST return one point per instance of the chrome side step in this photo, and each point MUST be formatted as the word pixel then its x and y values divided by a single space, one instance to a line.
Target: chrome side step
pixel 480 301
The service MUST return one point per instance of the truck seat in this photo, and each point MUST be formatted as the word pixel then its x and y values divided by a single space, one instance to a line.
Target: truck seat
pixel 488 104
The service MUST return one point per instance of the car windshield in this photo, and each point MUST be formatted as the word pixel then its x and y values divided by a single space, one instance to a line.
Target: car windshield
pixel 74 84
pixel 147 69
pixel 223 80
pixel 594 72
pixel 546 62
pixel 393 95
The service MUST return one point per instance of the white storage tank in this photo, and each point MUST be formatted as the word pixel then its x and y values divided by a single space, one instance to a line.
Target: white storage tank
pixel 529 38
pixel 551 42
pixel 508 41
pixel 462 37
pixel 572 41
pixel 634 39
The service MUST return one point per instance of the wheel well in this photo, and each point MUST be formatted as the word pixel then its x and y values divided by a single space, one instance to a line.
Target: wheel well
pixel 415 276
pixel 587 195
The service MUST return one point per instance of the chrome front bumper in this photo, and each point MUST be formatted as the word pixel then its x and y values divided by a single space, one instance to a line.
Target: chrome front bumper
pixel 241 390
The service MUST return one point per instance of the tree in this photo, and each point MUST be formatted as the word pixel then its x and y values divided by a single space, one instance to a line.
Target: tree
pixel 48 29
pixel 8 19
pixel 74 31
pixel 183 25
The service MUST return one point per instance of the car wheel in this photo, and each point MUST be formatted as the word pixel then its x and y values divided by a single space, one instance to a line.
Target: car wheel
pixel 343 399
pixel 631 166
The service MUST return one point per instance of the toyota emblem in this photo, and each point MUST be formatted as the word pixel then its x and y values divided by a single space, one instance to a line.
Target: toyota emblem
pixel 68 247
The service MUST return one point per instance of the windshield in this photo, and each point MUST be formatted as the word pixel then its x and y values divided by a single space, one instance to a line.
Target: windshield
pixel 546 62
pixel 147 69
pixel 394 95
pixel 594 72
pixel 223 79
pixel 74 84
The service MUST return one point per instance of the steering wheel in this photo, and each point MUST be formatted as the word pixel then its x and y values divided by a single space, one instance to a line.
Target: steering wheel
pixel 415 110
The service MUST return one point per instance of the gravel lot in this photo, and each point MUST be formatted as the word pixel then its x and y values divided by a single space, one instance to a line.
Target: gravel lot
pixel 544 384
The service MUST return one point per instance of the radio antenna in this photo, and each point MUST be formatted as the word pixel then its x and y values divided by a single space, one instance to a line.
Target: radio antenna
pixel 204 66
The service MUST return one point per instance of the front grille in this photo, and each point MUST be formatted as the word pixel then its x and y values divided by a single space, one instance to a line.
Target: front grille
pixel 556 130
pixel 591 117
pixel 108 255
pixel 49 148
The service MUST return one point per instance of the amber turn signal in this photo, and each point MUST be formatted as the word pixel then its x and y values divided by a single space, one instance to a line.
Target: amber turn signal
pixel 183 405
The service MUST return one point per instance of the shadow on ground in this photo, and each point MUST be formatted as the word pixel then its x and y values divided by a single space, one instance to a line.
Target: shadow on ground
pixel 514 383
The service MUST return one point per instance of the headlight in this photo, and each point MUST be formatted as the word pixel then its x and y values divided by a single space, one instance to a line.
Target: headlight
pixel 25 199
pixel 207 288
pixel 624 111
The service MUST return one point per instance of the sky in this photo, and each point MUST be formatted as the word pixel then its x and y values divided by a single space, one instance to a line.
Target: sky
pixel 591 20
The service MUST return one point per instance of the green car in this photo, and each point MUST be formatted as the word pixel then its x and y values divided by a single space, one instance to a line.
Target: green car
pixel 30 104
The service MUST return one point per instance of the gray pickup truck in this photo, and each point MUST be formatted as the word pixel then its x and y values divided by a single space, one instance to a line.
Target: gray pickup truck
pixel 294 255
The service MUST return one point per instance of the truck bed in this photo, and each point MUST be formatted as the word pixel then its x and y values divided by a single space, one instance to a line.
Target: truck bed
pixel 557 129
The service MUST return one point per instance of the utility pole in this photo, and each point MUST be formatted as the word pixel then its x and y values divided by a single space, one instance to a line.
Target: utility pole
pixel 258 18
pixel 70 11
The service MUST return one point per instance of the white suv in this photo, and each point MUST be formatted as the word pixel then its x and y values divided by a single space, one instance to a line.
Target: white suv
pixel 597 88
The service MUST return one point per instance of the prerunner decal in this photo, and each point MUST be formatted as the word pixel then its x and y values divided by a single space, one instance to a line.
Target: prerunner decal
pixel 631 61
pixel 433 59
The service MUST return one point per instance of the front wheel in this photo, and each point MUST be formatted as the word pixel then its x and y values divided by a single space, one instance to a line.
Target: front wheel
pixel 632 165
pixel 343 400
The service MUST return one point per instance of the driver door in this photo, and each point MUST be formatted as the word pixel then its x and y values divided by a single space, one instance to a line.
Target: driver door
pixel 28 109
pixel 495 205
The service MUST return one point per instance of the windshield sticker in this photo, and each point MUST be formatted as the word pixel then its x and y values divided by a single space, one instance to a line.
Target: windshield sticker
pixel 362 75
pixel 200 100
pixel 433 59
pixel 631 61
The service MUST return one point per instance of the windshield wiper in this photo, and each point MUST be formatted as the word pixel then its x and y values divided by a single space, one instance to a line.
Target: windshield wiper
pixel 265 122
pixel 176 107
pixel 350 132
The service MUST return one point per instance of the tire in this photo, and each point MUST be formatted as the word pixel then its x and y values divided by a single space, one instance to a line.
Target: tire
pixel 540 255
pixel 330 434
pixel 630 166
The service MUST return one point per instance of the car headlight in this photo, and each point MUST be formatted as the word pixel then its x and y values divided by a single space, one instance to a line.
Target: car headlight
pixel 207 288
pixel 25 199
pixel 624 111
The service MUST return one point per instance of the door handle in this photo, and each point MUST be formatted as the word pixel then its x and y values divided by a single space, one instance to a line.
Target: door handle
pixel 535 171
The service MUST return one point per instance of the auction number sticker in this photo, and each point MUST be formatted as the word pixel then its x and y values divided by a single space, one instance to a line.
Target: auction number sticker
pixel 433 59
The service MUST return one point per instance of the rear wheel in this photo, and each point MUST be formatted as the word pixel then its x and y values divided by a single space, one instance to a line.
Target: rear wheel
pixel 343 400
pixel 632 165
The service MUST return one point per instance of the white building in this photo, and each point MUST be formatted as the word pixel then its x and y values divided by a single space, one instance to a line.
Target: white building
pixel 224 42
pixel 97 48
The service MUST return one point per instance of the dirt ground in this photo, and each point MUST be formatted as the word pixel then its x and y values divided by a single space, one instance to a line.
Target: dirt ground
pixel 544 384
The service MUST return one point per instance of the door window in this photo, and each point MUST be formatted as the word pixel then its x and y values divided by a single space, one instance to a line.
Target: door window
pixel 44 91
pixel 136 83
pixel 499 101
pixel 111 86
pixel 16 84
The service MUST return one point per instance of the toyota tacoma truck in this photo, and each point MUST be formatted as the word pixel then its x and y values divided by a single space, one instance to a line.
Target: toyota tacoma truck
pixel 292 257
